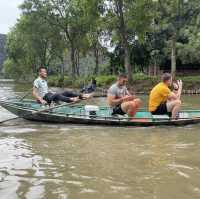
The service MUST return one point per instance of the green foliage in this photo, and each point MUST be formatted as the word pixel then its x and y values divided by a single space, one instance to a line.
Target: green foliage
pixel 11 70
pixel 190 82
pixel 59 34
pixel 142 76
pixel 105 80
pixel 102 81
pixel 32 43
pixel 141 83
pixel 172 19
pixel 126 20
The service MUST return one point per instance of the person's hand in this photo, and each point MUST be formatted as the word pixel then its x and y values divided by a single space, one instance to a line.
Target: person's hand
pixel 87 96
pixel 128 98
pixel 180 83
pixel 42 101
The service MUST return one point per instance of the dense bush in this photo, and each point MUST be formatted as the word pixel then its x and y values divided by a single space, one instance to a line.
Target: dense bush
pixel 105 80
pixel 102 81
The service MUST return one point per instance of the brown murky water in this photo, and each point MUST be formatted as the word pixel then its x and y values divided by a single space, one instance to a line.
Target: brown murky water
pixel 40 160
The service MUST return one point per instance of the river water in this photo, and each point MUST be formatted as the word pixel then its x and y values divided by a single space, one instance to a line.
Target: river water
pixel 49 161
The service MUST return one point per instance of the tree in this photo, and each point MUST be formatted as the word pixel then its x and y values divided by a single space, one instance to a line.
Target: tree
pixel 33 43
pixel 19 54
pixel 71 18
pixel 128 19
pixel 188 51
pixel 174 17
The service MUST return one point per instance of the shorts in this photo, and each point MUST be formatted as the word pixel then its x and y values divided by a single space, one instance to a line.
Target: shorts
pixel 118 110
pixel 161 110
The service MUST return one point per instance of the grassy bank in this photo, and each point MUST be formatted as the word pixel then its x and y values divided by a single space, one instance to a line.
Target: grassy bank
pixel 141 83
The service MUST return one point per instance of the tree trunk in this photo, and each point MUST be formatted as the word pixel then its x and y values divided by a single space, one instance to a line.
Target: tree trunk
pixel 128 64
pixel 155 68
pixel 73 61
pixel 77 63
pixel 62 70
pixel 70 39
pixel 123 34
pixel 96 54
pixel 173 56
pixel 44 55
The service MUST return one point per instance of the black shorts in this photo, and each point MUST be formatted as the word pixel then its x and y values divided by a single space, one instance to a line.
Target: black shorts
pixel 161 110
pixel 118 110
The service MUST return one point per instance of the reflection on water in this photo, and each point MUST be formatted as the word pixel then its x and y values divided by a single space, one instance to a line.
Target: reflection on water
pixel 66 161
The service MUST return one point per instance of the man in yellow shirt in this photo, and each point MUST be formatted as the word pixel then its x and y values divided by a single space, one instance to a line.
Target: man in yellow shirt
pixel 162 100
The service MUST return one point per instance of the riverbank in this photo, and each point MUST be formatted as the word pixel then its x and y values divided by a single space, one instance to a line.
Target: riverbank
pixel 141 84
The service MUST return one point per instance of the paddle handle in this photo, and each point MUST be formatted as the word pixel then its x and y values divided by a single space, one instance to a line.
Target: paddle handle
pixel 14 118
pixel 26 94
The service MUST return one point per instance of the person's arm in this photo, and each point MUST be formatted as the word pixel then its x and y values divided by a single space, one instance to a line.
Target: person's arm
pixel 176 95
pixel 131 96
pixel 172 96
pixel 127 92
pixel 37 97
pixel 179 92
pixel 112 101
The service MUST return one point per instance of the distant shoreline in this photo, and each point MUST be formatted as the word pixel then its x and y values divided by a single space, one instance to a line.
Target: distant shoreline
pixel 141 85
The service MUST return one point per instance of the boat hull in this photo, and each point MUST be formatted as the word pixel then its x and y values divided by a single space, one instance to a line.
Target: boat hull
pixel 53 117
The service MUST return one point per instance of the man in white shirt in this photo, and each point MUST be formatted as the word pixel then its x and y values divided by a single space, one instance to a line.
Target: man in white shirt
pixel 43 95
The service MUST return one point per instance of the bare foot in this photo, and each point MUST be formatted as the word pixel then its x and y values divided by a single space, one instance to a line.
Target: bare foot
pixel 87 96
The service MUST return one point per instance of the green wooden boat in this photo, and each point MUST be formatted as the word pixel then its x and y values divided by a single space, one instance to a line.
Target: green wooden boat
pixel 77 114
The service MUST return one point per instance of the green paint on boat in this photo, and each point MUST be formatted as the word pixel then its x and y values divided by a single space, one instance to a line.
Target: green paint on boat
pixel 77 114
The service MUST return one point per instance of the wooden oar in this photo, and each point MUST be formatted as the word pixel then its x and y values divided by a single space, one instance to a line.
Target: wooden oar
pixel 40 111
pixel 20 98
pixel 26 94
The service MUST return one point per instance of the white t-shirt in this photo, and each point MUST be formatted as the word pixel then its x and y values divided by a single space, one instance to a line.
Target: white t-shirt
pixel 41 85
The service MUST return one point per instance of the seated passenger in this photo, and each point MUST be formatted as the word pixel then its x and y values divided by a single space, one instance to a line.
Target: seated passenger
pixel 162 100
pixel 44 96
pixel 90 88
pixel 175 85
pixel 121 101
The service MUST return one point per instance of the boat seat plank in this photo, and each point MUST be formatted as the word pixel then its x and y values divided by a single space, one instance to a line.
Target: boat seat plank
pixel 156 117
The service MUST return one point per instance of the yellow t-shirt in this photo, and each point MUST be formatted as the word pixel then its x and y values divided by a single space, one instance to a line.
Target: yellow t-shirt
pixel 158 95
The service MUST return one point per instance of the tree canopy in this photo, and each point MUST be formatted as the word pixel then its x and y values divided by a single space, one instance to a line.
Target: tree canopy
pixel 123 35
